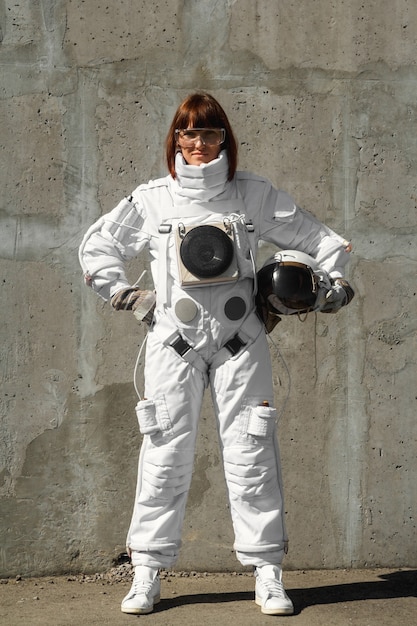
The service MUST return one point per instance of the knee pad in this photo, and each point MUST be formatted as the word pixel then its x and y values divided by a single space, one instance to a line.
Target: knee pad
pixel 166 472
pixel 250 470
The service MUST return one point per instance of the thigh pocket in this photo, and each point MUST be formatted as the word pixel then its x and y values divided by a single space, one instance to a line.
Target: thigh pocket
pixel 153 417
pixel 261 421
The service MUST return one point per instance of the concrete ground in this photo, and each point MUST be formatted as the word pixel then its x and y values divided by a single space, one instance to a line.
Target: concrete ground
pixel 381 597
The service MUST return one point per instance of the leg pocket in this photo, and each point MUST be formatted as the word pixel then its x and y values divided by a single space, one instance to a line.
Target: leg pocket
pixel 153 417
pixel 261 421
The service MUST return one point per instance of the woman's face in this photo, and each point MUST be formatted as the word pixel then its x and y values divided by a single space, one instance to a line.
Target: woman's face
pixel 200 145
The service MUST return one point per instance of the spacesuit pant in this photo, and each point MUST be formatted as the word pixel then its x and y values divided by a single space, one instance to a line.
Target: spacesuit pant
pixel 169 417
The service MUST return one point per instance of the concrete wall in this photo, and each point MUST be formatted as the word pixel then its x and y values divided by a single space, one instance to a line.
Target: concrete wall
pixel 322 95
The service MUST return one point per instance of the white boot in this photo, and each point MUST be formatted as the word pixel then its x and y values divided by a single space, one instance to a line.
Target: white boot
pixel 145 591
pixel 270 593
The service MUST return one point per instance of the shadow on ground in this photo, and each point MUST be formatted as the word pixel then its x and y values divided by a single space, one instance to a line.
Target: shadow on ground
pixel 394 585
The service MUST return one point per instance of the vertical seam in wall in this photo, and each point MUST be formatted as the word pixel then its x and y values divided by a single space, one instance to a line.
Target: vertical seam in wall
pixel 354 417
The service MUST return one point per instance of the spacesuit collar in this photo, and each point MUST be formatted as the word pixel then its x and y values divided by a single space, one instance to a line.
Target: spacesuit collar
pixel 200 182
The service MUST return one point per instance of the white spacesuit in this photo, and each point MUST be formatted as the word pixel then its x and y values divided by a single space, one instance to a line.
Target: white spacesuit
pixel 205 332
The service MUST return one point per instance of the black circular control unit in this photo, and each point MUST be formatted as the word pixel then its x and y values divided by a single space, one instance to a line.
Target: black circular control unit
pixel 206 251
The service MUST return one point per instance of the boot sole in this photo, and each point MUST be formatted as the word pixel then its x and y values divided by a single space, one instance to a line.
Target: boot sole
pixel 283 611
pixel 138 611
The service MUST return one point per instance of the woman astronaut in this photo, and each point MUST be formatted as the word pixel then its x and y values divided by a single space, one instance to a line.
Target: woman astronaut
pixel 201 225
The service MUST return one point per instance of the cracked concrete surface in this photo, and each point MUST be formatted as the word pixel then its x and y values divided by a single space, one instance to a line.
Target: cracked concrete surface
pixel 322 97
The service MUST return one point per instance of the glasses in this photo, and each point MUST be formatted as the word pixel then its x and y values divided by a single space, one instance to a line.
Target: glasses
pixel 188 137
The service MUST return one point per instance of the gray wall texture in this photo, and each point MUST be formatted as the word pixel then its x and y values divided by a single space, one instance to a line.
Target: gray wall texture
pixel 322 95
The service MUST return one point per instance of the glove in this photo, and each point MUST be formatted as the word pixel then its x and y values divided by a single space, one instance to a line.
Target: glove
pixel 141 302
pixel 339 295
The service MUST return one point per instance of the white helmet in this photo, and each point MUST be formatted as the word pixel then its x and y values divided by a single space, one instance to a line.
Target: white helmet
pixel 291 282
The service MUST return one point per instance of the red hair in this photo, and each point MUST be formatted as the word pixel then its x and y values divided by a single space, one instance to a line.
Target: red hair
pixel 201 110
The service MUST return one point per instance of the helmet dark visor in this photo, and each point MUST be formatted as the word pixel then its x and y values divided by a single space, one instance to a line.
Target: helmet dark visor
pixel 293 283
